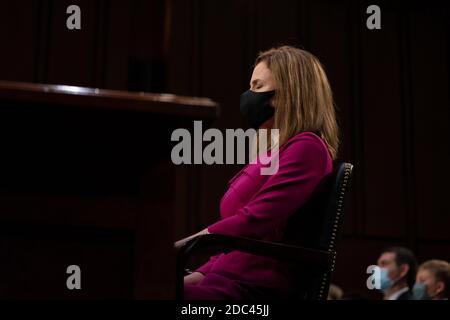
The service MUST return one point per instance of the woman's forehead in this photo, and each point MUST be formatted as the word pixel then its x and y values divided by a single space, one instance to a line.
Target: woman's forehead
pixel 261 72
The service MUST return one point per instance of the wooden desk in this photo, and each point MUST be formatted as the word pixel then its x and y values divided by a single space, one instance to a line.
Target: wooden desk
pixel 86 179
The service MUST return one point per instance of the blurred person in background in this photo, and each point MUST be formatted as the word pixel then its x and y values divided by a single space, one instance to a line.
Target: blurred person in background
pixel 335 293
pixel 398 273
pixel 433 281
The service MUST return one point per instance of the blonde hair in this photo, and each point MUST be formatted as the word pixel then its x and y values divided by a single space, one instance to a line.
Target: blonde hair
pixel 303 98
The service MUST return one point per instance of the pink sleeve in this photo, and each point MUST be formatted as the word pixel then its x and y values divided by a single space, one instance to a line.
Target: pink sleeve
pixel 303 163
pixel 204 269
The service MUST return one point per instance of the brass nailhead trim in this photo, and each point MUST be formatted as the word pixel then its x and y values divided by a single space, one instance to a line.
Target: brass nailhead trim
pixel 340 204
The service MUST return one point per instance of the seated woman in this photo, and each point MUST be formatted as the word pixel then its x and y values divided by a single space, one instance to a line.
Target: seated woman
pixel 289 91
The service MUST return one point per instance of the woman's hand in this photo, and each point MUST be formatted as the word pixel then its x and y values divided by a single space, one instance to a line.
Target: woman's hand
pixel 193 278
pixel 181 242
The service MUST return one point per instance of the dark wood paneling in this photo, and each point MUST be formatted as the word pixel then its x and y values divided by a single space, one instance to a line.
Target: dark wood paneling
pixel 338 63
pixel 72 55
pixel 429 36
pixel 275 25
pixel 105 258
pixel 117 45
pixel 437 249
pixel 89 170
pixel 19 39
pixel 382 119
pixel 182 43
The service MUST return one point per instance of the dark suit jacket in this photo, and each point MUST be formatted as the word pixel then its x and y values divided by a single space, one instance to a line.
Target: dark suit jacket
pixel 407 295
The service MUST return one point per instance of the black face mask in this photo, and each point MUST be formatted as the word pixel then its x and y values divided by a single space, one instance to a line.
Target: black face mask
pixel 255 107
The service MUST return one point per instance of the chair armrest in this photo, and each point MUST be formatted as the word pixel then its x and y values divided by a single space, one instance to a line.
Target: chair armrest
pixel 317 260
pixel 217 243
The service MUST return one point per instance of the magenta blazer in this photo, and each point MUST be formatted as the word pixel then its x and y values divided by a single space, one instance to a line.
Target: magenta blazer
pixel 258 206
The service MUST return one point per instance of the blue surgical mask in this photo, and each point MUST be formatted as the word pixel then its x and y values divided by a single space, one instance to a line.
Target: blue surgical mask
pixel 385 282
pixel 420 291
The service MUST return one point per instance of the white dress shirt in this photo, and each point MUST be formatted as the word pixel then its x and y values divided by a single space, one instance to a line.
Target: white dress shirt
pixel 397 294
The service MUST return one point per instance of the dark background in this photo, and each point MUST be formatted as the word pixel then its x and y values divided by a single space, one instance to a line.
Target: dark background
pixel 391 87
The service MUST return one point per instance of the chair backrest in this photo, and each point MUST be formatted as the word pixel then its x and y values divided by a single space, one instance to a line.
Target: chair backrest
pixel 318 225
